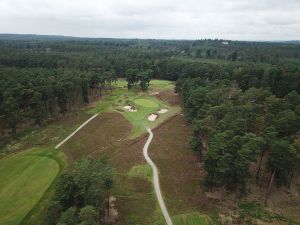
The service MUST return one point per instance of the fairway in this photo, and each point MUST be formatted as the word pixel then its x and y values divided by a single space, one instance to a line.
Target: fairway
pixel 24 178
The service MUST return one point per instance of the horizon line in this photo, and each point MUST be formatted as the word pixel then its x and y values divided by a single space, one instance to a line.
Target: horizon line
pixel 139 38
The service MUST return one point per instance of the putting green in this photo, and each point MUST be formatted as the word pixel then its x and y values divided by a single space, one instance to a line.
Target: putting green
pixel 24 178
pixel 146 103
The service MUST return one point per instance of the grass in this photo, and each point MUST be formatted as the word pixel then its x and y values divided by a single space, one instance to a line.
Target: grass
pixel 250 210
pixel 29 176
pixel 24 178
pixel 31 188
pixel 189 219
pixel 145 105
pixel 162 84
pixel 179 173
pixel 141 171
pixel 47 136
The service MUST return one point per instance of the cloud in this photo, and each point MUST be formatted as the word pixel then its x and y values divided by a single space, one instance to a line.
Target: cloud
pixel 170 19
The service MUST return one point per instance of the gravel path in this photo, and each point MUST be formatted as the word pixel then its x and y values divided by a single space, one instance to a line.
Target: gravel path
pixel 71 135
pixel 156 180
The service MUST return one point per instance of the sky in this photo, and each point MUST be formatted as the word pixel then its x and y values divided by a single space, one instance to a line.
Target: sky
pixel 272 20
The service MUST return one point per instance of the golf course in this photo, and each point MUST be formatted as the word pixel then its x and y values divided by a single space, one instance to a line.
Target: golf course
pixel 123 117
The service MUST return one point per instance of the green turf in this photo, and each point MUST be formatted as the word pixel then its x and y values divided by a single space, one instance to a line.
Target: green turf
pixel 162 84
pixel 142 171
pixel 154 84
pixel 145 105
pixel 188 219
pixel 24 178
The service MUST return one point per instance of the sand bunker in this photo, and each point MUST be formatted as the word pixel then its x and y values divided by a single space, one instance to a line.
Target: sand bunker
pixel 130 108
pixel 154 93
pixel 161 111
pixel 152 117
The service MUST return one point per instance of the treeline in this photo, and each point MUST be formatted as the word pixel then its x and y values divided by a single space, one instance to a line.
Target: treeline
pixel 246 125
pixel 40 78
pixel 87 53
pixel 82 194
pixel 28 94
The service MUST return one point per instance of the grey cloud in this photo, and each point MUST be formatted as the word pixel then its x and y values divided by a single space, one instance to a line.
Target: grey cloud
pixel 172 19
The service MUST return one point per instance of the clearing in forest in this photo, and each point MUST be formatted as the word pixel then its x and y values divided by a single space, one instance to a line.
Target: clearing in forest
pixel 136 107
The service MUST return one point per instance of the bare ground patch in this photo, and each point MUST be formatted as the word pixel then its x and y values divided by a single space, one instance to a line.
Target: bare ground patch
pixel 170 97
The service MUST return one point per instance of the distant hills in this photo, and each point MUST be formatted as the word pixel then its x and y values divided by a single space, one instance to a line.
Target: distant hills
pixel 36 37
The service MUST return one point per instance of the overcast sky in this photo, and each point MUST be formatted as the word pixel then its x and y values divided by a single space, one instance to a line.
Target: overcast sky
pixel 167 19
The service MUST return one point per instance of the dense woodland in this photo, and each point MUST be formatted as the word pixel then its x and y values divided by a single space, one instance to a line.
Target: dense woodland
pixel 246 124
pixel 242 98
pixel 81 194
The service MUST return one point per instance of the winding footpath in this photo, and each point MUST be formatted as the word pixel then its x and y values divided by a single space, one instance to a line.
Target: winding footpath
pixel 156 180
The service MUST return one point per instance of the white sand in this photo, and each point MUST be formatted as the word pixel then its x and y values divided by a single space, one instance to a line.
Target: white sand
pixel 130 108
pixel 127 107
pixel 163 111
pixel 154 93
pixel 152 117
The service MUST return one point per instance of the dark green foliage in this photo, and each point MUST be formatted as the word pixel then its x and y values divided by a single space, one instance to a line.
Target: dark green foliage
pixel 281 159
pixel 53 213
pixel 68 217
pixel 81 193
pixel 235 129
pixel 88 216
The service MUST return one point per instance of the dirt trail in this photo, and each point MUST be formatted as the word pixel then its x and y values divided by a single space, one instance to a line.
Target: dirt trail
pixel 156 180
pixel 71 135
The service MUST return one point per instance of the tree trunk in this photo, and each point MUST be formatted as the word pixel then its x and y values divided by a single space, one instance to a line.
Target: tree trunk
pixel 201 155
pixel 269 186
pixel 107 194
pixel 259 167
pixel 291 179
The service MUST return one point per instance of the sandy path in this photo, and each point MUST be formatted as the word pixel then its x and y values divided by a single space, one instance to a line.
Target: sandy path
pixel 71 135
pixel 156 180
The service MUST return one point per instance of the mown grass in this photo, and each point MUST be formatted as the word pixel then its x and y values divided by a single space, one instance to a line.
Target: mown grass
pixel 141 171
pixel 24 178
pixel 162 84
pixel 144 104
